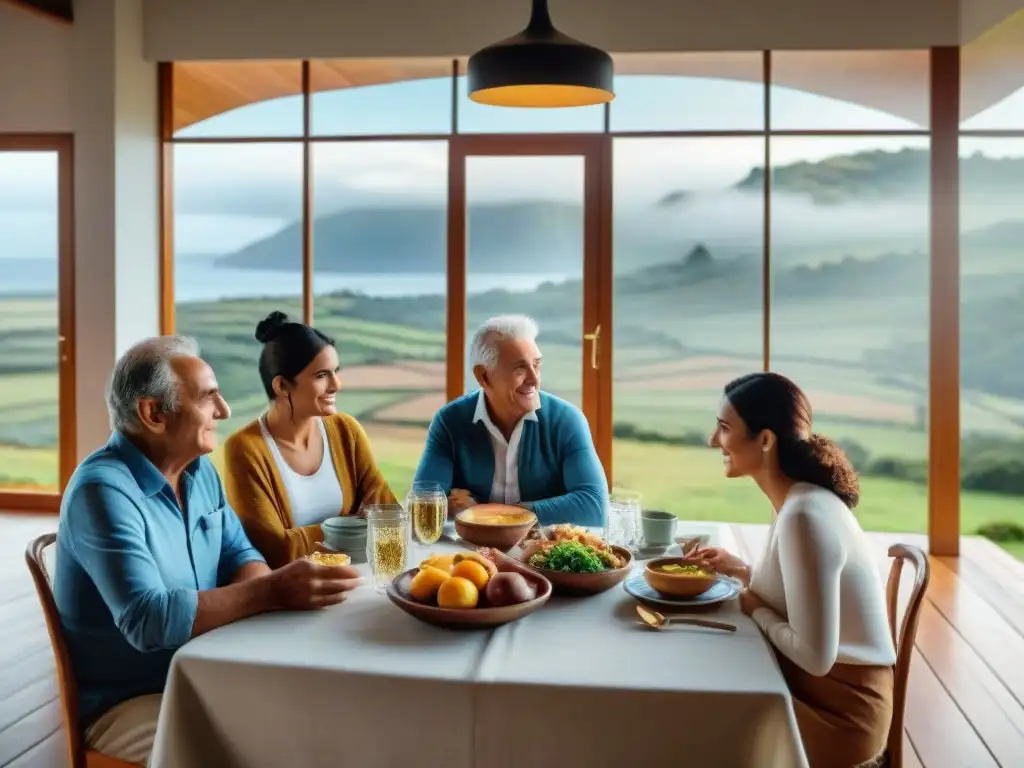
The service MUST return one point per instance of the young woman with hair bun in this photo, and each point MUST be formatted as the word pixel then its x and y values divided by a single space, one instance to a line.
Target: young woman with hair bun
pixel 816 592
pixel 302 461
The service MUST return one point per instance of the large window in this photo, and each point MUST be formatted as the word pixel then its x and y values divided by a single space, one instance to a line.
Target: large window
pixel 524 253
pixel 688 314
pixel 238 256
pixel 379 264
pixel 28 321
pixel 37 438
pixel 992 286
pixel 764 210
pixel 849 314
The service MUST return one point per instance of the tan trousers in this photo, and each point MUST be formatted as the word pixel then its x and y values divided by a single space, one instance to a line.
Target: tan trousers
pixel 126 731
pixel 844 716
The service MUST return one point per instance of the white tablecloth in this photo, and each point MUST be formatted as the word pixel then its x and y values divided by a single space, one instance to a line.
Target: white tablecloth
pixel 578 683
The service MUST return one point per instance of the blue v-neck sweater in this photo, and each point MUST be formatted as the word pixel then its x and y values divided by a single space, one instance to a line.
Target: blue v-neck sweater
pixel 560 476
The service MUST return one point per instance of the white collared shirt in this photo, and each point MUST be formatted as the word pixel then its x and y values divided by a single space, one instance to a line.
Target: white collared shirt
pixel 505 486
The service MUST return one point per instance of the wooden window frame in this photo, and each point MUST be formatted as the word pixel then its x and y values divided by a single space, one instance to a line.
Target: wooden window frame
pixel 944 307
pixel 48 502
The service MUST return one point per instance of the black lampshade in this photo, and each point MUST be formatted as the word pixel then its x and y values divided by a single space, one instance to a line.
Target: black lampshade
pixel 540 67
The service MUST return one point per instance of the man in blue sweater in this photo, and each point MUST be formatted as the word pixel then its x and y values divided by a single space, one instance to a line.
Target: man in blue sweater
pixel 511 443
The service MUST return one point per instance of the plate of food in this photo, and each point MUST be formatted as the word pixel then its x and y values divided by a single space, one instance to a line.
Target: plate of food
pixel 576 561
pixel 720 589
pixel 468 590
pixel 500 526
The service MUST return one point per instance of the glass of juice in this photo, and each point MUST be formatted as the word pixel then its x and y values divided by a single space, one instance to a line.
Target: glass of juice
pixel 388 538
pixel 427 505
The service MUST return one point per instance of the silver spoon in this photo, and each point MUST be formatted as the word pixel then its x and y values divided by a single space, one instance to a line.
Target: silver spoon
pixel 657 620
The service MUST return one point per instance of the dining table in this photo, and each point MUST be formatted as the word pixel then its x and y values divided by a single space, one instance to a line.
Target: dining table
pixel 579 682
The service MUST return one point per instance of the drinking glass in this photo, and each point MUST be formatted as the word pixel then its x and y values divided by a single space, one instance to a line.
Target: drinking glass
pixel 388 538
pixel 624 508
pixel 427 504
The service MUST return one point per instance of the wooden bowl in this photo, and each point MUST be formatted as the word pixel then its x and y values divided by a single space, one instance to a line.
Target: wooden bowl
pixel 676 584
pixel 581 584
pixel 474 525
pixel 481 617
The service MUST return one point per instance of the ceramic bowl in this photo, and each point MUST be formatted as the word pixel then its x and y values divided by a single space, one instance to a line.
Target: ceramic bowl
pixel 343 529
pixel 481 617
pixel 581 584
pixel 676 584
pixel 484 526
pixel 346 534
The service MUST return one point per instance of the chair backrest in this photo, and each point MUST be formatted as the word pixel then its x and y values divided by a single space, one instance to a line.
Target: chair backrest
pixel 36 558
pixel 903 636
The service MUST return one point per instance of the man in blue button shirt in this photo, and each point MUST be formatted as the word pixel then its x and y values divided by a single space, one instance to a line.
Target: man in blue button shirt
pixel 149 554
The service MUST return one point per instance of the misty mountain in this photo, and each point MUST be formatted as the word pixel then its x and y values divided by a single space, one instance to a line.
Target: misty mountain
pixel 544 237
pixel 817 205
pixel 875 175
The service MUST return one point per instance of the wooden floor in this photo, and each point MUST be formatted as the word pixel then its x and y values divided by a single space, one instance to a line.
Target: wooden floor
pixel 31 734
pixel 966 699
pixel 965 706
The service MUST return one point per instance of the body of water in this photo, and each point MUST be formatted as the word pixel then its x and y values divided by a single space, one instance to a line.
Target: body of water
pixel 199 279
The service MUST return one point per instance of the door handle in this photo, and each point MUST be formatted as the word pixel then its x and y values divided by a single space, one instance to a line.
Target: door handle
pixel 595 341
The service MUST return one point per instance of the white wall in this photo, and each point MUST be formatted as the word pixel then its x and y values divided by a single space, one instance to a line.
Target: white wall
pixel 90 79
pixel 35 73
pixel 116 200
pixel 236 29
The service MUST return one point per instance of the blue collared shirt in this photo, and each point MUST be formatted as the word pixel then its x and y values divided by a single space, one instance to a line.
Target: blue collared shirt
pixel 130 566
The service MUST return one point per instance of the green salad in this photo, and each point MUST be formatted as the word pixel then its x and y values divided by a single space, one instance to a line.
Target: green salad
pixel 569 556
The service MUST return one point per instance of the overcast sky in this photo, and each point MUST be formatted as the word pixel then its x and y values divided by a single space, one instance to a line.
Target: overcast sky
pixel 229 195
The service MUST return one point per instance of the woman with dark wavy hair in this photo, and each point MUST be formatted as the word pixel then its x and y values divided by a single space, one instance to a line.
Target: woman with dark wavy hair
pixel 816 593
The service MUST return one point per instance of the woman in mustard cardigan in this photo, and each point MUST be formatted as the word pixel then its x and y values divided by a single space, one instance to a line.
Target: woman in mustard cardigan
pixel 301 462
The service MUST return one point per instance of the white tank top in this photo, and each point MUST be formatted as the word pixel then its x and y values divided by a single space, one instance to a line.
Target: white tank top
pixel 312 498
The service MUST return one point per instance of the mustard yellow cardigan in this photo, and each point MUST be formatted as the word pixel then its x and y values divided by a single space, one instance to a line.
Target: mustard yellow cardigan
pixel 256 490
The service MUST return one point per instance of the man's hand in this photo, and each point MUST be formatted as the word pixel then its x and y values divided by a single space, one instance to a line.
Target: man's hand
pixel 304 585
pixel 458 500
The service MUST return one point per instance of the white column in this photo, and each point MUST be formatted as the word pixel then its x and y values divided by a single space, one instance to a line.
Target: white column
pixel 116 200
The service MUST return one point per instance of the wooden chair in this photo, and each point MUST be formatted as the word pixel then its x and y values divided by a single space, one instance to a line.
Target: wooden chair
pixel 903 638
pixel 80 756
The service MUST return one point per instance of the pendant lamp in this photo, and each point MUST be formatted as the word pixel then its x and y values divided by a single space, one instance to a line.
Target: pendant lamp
pixel 540 67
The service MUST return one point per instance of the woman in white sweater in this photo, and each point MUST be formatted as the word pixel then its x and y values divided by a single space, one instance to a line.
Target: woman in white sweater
pixel 816 592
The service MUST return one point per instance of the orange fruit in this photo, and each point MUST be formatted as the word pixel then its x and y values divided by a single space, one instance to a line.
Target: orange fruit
pixel 472 570
pixel 457 592
pixel 424 585
pixel 444 562
pixel 492 569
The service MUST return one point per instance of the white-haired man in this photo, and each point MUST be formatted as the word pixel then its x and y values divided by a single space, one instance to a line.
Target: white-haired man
pixel 511 443
pixel 149 554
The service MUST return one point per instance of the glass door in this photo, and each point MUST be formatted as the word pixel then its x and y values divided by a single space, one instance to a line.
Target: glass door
pixel 527 236
pixel 37 436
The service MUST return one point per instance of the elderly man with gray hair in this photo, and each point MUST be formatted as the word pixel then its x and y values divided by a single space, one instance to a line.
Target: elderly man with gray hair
pixel 511 443
pixel 149 554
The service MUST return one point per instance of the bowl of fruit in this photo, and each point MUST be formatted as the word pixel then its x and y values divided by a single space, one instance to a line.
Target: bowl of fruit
pixel 469 590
